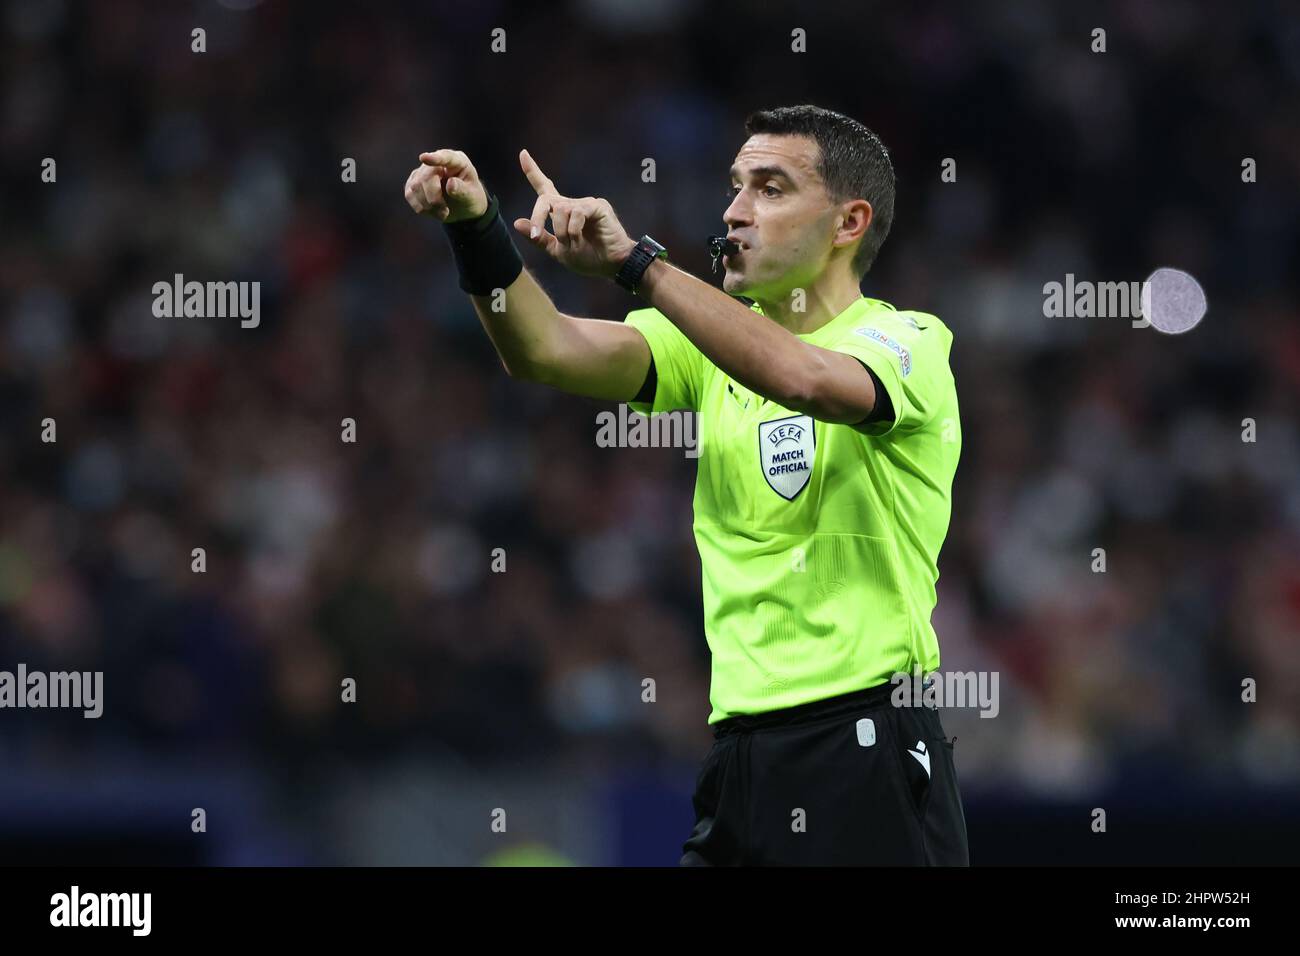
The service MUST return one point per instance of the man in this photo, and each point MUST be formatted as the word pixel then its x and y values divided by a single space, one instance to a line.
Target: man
pixel 829 437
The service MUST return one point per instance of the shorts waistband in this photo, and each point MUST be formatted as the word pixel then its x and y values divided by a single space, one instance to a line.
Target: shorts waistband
pixel 802 713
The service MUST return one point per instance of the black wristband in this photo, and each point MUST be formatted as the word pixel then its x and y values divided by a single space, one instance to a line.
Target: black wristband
pixel 485 253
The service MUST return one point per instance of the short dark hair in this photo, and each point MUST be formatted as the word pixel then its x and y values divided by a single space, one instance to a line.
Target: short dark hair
pixel 854 164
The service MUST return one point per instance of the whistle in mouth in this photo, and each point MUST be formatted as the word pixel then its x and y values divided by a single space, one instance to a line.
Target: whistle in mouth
pixel 720 246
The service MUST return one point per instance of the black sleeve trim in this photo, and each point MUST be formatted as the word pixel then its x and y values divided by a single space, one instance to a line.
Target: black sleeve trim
pixel 883 411
pixel 647 392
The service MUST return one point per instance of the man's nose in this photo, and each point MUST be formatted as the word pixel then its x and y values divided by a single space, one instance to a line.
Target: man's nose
pixel 738 213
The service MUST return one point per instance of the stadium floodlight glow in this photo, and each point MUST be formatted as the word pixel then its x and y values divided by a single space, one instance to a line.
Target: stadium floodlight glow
pixel 1172 301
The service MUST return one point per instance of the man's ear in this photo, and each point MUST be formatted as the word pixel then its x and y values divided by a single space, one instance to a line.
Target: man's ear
pixel 867 214
pixel 854 211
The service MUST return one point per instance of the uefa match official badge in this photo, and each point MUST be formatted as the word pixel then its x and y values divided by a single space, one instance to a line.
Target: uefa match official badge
pixel 786 448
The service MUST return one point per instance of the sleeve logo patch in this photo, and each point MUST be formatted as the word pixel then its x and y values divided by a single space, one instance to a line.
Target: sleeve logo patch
pixel 904 356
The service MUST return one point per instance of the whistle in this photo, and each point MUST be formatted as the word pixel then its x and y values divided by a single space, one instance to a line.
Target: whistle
pixel 720 246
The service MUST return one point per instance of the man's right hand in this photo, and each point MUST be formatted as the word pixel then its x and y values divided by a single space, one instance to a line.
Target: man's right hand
pixel 446 186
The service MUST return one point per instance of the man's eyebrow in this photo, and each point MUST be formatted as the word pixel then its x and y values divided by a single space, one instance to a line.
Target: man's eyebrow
pixel 774 171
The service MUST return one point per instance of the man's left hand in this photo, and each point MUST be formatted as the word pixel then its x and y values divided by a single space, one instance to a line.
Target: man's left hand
pixel 588 238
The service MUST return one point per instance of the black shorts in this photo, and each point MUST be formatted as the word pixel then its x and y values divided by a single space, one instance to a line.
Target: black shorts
pixel 847 781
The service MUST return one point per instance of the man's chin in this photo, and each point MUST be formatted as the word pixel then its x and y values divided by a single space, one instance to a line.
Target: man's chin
pixel 733 283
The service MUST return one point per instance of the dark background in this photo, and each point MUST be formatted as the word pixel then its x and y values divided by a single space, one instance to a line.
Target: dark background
pixel 522 690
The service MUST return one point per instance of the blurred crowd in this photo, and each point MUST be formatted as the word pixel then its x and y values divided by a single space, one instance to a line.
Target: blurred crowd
pixel 494 582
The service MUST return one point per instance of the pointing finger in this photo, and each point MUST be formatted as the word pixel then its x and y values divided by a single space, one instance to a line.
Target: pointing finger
pixel 456 161
pixel 536 178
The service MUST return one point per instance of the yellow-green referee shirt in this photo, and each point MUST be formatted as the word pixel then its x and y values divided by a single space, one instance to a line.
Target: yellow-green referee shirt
pixel 819 543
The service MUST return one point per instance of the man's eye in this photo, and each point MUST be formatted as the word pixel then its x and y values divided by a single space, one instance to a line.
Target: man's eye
pixel 771 189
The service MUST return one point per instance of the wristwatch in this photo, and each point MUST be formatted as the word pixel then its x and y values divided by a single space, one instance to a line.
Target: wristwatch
pixel 635 265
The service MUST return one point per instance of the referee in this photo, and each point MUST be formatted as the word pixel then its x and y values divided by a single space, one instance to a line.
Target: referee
pixel 829 436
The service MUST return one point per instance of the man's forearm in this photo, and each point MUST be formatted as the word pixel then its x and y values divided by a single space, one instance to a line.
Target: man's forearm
pixel 538 343
pixel 762 356
pixel 522 329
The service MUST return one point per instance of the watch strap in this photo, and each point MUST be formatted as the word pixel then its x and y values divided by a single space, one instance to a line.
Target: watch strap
pixel 634 266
